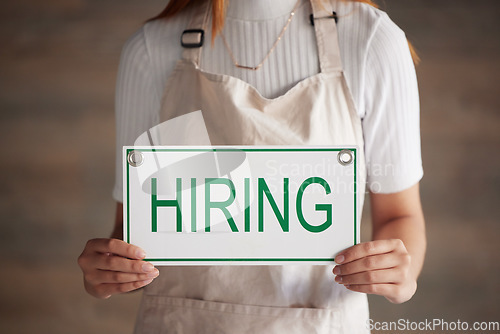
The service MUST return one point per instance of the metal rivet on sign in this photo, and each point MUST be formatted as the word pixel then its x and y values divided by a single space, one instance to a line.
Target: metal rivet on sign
pixel 345 157
pixel 135 158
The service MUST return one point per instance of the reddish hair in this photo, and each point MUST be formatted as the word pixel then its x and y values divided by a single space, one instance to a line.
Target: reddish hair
pixel 219 12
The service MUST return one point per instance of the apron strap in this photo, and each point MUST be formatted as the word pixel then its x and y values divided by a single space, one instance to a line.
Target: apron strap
pixel 193 37
pixel 326 36
pixel 324 24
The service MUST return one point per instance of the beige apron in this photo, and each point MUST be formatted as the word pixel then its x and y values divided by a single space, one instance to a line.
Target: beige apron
pixel 259 299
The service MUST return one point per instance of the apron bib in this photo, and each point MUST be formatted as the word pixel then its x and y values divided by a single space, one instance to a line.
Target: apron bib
pixel 260 299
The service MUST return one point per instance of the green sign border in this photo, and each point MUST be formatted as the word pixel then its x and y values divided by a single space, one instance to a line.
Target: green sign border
pixel 354 150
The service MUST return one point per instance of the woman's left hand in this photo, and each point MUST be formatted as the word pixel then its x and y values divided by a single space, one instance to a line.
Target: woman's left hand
pixel 381 267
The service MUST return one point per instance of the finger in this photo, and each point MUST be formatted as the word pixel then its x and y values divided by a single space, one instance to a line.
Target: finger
pixel 107 290
pixel 374 262
pixel 385 276
pixel 118 263
pixel 117 247
pixel 105 276
pixel 367 249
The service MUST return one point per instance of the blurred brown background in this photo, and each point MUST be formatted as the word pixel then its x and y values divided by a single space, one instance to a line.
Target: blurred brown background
pixel 58 62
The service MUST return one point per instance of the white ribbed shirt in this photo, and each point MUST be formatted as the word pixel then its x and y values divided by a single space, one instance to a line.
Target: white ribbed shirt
pixel 376 62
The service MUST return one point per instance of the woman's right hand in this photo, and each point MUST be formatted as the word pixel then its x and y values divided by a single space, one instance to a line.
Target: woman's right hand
pixel 112 266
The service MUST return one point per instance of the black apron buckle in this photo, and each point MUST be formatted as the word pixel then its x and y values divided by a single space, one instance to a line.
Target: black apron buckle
pixel 190 41
pixel 334 16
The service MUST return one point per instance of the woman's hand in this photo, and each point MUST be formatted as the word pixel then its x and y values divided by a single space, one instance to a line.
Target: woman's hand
pixel 381 267
pixel 112 266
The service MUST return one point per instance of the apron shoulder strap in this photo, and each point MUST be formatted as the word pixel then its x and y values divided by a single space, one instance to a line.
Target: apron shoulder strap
pixel 324 24
pixel 193 37
pixel 326 36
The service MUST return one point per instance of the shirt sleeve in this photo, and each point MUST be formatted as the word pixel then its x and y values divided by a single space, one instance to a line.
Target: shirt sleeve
pixel 136 102
pixel 391 125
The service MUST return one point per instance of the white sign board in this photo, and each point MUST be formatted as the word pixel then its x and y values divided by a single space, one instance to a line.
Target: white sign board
pixel 193 205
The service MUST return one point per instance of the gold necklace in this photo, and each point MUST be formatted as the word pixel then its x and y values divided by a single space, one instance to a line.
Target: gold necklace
pixel 255 68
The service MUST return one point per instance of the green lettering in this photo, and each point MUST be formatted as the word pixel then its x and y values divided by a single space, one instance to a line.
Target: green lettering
pixel 319 207
pixel 247 204
pixel 282 219
pixel 219 205
pixel 155 203
pixel 193 205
